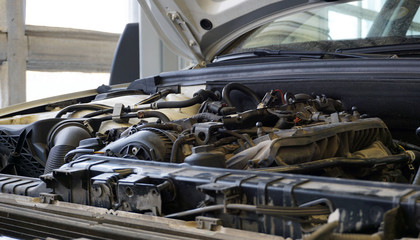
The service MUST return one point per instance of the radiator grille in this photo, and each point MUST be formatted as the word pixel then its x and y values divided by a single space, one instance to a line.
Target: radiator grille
pixel 27 164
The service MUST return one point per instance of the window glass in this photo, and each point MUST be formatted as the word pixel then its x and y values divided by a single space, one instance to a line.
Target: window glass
pixel 328 28
pixel 415 25
pixel 352 20
pixel 343 26
pixel 344 21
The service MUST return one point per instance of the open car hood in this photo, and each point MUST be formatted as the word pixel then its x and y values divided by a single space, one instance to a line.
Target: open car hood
pixel 198 30
pixel 316 134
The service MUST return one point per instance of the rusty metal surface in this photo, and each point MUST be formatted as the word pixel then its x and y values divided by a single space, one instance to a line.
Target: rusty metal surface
pixel 357 201
pixel 27 217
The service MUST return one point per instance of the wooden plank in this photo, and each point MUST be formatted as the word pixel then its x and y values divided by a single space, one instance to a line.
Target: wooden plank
pixel 16 53
pixel 60 49
pixel 3 47
pixel 4 85
pixel 58 32
pixel 3 17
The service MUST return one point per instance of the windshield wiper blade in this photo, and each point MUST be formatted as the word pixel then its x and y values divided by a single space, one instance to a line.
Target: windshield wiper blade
pixel 394 48
pixel 290 54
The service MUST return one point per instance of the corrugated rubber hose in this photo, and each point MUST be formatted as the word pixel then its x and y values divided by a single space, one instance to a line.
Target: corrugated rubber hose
pixel 64 138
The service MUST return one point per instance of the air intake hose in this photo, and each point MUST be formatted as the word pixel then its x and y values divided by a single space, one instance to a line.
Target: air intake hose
pixel 64 138
pixel 198 97
pixel 240 87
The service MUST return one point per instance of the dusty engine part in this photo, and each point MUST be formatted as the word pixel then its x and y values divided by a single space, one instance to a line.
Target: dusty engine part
pixel 184 168
pixel 316 142
pixel 283 130
pixel 146 144
pixel 303 129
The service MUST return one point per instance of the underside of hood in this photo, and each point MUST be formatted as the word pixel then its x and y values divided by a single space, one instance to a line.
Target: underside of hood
pixel 198 30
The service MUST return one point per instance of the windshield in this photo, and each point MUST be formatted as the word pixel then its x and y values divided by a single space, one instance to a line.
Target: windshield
pixel 347 25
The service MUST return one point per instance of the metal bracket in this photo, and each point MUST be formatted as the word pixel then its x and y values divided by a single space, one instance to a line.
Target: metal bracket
pixel 397 198
pixel 242 180
pixel 187 36
pixel 291 228
pixel 118 112
pixel 49 198
pixel 214 179
pixel 262 189
pixel 102 190
pixel 288 198
pixel 208 223
pixel 135 193
pixel 204 131
pixel 223 193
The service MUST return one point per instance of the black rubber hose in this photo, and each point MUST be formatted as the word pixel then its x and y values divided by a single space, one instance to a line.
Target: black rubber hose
pixel 159 115
pixel 106 111
pixel 97 113
pixel 72 153
pixel 207 116
pixel 131 115
pixel 165 126
pixel 240 136
pixel 156 96
pixel 150 99
pixel 145 114
pixel 64 138
pixel 56 157
pixel 156 114
pixel 407 146
pixel 224 141
pixel 199 97
pixel 237 86
pixel 175 147
pixel 177 104
pixel 232 133
pixel 80 107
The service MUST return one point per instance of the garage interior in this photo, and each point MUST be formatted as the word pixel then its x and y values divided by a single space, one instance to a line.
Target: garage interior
pixel 30 48
pixel 295 120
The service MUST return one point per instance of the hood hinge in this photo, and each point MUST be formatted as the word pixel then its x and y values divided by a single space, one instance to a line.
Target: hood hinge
pixel 187 36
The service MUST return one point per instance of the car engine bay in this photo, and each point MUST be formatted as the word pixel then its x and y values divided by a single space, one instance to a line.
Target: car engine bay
pixel 286 160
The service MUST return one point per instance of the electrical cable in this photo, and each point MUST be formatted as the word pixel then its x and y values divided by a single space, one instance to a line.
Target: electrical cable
pixel 156 96
pixel 240 136
pixel 131 115
pixel 79 107
pixel 406 145
pixel 97 113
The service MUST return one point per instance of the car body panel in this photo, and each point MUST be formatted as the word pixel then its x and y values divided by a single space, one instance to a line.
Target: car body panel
pixel 178 22
pixel 320 139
